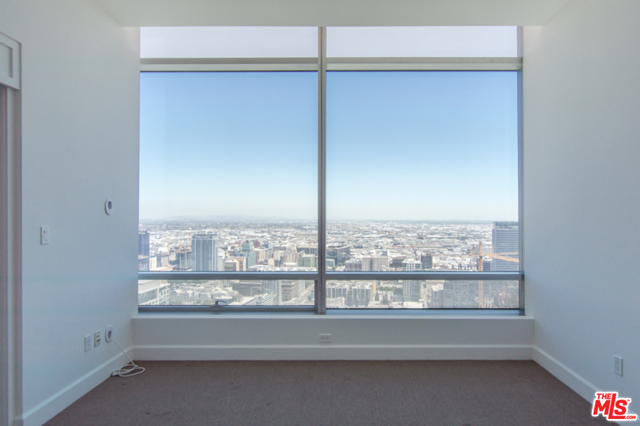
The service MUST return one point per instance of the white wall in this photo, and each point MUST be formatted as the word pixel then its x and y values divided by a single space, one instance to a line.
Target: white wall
pixel 80 99
pixel 330 12
pixel 581 197
pixel 357 337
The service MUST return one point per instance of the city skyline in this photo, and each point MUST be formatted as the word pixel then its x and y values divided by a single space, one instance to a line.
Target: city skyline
pixel 384 247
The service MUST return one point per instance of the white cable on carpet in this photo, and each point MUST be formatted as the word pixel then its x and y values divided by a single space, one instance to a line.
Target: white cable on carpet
pixel 128 370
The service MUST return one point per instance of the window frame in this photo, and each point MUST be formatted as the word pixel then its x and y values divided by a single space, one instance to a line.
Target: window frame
pixel 322 65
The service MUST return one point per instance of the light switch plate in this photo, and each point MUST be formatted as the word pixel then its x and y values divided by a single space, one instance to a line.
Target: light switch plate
pixel 44 235
pixel 617 365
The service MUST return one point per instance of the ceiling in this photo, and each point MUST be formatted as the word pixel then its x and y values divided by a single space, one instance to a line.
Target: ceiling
pixel 136 13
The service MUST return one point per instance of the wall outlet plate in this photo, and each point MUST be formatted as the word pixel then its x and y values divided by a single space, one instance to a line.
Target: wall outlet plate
pixel 44 235
pixel 325 338
pixel 617 365
pixel 87 343
pixel 96 338
pixel 108 334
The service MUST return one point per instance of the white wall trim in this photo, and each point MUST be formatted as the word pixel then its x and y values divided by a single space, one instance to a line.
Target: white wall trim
pixel 566 375
pixel 57 402
pixel 10 253
pixel 329 352
pixel 9 63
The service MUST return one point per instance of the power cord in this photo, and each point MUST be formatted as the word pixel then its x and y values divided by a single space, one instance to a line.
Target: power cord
pixel 129 370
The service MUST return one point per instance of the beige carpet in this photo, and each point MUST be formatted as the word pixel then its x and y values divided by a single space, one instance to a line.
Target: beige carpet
pixel 448 393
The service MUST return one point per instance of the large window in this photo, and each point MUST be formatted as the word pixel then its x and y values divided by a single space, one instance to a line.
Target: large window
pixel 275 176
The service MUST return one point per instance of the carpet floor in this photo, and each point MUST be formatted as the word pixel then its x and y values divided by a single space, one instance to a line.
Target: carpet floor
pixel 462 393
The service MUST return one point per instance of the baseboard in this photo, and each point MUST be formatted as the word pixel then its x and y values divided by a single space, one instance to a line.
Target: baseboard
pixel 566 375
pixel 330 352
pixel 53 405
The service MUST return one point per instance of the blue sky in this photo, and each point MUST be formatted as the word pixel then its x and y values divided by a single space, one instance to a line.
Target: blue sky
pixel 400 145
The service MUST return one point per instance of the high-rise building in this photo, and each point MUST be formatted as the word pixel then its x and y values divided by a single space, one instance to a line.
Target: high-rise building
pixel 248 252
pixel 260 254
pixel 339 254
pixel 307 260
pixel 411 290
pixel 360 294
pixel 272 287
pixel 336 290
pixel 308 249
pixel 162 259
pixel 183 260
pixel 436 292
pixel 204 252
pixel 288 290
pixel 409 265
pixel 230 265
pixel 353 265
pixel 264 300
pixel 427 261
pixel 143 243
pixel 484 265
pixel 396 263
pixel 506 242
pixel 143 263
pixel 290 257
pixel 460 294
pixel 242 263
pixel 248 288
pixel 375 263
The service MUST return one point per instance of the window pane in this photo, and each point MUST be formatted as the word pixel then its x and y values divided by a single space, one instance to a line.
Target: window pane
pixel 228 171
pixel 422 171
pixel 422 41
pixel 422 294
pixel 233 292
pixel 228 42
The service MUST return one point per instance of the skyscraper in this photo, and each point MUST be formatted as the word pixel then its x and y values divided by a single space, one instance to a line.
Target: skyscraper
pixel 288 290
pixel 411 290
pixel 409 265
pixel 375 263
pixel 183 260
pixel 460 294
pixel 272 287
pixel 143 243
pixel 248 252
pixel 143 263
pixel 339 254
pixel 506 242
pixel 427 261
pixel 204 252
pixel 307 260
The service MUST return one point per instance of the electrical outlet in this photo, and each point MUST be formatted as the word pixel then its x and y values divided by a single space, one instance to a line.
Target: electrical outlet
pixel 108 334
pixel 87 343
pixel 96 338
pixel 617 365
pixel 325 338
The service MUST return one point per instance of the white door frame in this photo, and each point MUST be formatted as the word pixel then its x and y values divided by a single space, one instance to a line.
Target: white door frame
pixel 10 231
